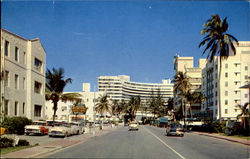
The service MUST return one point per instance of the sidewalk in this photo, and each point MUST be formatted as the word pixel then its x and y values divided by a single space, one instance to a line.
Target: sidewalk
pixel 228 138
pixel 44 149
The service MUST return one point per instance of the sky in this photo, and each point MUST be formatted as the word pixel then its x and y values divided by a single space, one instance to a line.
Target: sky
pixel 138 38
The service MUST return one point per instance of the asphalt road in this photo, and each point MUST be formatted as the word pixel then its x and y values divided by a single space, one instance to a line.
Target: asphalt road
pixel 151 142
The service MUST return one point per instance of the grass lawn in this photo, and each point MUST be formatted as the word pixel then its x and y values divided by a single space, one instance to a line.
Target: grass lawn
pixel 13 149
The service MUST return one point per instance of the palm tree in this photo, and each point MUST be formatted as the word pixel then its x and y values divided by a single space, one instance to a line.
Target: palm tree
pixel 55 84
pixel 194 97
pixel 218 42
pixel 134 104
pixel 245 114
pixel 181 87
pixel 103 105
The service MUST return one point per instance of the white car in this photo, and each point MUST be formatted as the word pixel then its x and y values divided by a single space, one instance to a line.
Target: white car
pixel 61 130
pixel 77 128
pixel 37 127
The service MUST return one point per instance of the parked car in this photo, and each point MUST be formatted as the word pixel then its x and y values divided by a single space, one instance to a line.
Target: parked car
pixel 61 130
pixel 133 125
pixel 77 128
pixel 175 129
pixel 37 127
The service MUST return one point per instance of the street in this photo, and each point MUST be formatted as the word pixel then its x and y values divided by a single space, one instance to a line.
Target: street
pixel 151 142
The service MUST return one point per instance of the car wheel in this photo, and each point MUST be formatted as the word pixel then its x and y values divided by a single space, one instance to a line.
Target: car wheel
pixel 50 135
pixel 78 132
pixel 27 134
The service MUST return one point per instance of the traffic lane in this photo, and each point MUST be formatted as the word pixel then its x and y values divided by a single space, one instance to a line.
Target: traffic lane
pixel 197 146
pixel 33 139
pixel 120 143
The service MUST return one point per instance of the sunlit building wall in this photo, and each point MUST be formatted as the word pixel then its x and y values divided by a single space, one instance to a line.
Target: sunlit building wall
pixel 22 76
pixel 234 74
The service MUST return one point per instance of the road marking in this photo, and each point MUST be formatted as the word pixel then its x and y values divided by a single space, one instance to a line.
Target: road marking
pixel 165 144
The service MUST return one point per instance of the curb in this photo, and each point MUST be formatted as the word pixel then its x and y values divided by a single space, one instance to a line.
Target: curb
pixel 223 138
pixel 51 150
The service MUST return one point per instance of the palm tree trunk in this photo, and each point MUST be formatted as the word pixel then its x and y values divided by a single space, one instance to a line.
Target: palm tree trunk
pixel 219 102
pixel 191 112
pixel 55 109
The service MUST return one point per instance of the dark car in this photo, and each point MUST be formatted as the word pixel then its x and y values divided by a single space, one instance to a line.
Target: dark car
pixel 175 129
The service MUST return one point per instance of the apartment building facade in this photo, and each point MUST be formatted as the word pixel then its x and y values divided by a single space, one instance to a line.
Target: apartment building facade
pixel 22 76
pixel 186 65
pixel 120 87
pixel 64 111
pixel 234 74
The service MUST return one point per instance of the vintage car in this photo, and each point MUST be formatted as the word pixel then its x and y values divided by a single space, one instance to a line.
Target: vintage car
pixel 77 128
pixel 60 129
pixel 175 129
pixel 37 127
pixel 133 125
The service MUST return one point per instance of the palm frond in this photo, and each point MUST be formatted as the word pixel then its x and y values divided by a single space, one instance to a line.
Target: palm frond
pixel 71 97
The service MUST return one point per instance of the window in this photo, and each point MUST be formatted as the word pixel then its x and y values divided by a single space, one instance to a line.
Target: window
pixel 16 105
pixel 226 102
pixel 226 65
pixel 6 107
pixel 216 85
pixel 37 87
pixel 235 110
pixel 216 111
pixel 246 68
pixel 225 111
pixel 16 53
pixel 246 77
pixel 216 94
pixel 38 64
pixel 6 48
pixel 24 57
pixel 23 108
pixel 37 110
pixel 24 82
pixel 226 84
pixel 226 74
pixel 6 78
pixel 216 102
pixel 246 95
pixel 16 81
pixel 226 93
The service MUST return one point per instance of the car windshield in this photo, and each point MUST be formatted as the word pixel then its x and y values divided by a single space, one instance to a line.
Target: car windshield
pixel 39 123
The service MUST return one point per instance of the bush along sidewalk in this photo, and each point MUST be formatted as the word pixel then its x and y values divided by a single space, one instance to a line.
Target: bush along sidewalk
pixel 15 125
pixel 8 145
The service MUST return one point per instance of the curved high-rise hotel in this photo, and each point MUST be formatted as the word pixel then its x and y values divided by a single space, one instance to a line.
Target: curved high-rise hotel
pixel 120 87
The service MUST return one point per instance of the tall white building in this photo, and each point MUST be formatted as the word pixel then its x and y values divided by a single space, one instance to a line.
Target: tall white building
pixel 64 111
pixel 22 76
pixel 120 87
pixel 234 74
pixel 186 65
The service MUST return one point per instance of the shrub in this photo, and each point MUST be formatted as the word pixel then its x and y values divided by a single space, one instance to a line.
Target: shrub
pixel 6 142
pixel 22 142
pixel 15 125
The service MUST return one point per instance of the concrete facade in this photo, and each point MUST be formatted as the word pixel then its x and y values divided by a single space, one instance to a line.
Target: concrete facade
pixel 234 74
pixel 23 71
pixel 120 87
pixel 186 65
pixel 64 111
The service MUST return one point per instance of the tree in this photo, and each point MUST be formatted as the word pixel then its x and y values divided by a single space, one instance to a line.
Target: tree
pixel 218 42
pixel 194 97
pixel 55 85
pixel 245 114
pixel 133 105
pixel 160 103
pixel 181 87
pixel 103 105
